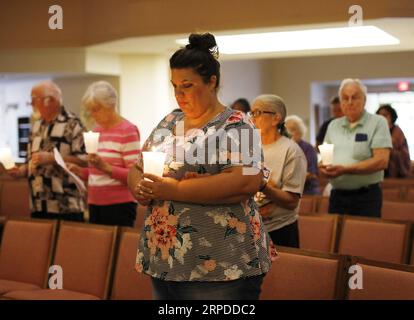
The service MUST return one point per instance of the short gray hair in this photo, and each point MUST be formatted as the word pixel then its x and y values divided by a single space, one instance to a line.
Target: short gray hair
pixel 275 102
pixel 49 88
pixel 349 81
pixel 102 93
pixel 299 122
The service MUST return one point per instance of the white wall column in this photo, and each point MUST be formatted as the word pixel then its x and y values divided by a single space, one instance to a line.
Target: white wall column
pixel 145 91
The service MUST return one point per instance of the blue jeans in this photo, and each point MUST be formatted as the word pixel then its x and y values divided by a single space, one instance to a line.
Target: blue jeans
pixel 240 289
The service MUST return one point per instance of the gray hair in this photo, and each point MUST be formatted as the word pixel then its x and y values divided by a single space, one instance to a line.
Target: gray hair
pixel 299 122
pixel 102 93
pixel 274 102
pixel 356 82
pixel 49 88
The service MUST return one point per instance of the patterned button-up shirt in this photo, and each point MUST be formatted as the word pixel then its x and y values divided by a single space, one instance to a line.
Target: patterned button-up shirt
pixel 52 190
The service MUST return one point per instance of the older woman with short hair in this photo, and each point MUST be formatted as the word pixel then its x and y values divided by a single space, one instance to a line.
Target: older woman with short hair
pixel 288 166
pixel 297 129
pixel 109 199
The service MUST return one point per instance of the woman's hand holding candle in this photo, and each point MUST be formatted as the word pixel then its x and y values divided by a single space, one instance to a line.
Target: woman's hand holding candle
pixel 98 163
pixel 155 187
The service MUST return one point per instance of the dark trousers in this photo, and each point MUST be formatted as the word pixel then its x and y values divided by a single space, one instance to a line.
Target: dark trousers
pixel 240 289
pixel 120 214
pixel 366 201
pixel 288 236
pixel 73 216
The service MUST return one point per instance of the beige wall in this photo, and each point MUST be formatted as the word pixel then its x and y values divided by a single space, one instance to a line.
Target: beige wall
pixel 292 78
pixel 244 79
pixel 145 92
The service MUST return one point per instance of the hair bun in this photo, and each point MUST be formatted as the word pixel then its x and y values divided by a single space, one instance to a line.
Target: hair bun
pixel 203 42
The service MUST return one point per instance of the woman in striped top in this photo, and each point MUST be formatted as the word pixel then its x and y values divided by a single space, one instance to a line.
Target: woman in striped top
pixel 109 199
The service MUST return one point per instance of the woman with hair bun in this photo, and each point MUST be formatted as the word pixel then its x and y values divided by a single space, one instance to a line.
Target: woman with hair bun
pixel 203 236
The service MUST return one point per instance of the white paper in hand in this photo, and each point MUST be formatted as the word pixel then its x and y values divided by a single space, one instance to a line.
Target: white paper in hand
pixel 79 183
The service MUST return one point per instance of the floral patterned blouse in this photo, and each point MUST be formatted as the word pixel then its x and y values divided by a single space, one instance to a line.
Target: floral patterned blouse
pixel 193 242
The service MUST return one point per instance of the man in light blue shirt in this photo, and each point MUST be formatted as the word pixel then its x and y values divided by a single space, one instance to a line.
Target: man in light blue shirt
pixel 362 145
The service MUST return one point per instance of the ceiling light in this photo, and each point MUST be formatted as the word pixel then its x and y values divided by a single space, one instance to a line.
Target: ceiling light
pixel 329 38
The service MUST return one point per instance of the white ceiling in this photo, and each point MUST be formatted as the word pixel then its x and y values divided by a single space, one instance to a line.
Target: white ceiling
pixel 401 28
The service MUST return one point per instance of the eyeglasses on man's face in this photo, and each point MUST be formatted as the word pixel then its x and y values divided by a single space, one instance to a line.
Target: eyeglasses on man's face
pixel 258 113
pixel 35 99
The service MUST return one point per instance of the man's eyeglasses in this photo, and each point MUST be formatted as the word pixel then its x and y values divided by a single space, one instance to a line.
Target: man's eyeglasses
pixel 33 100
pixel 258 113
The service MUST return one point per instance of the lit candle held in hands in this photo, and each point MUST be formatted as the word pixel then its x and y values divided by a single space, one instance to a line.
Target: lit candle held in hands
pixel 326 153
pixel 6 158
pixel 91 142
pixel 154 162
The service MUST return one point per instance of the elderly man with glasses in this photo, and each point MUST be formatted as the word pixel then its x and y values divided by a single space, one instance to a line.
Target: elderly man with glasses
pixel 53 194
pixel 362 145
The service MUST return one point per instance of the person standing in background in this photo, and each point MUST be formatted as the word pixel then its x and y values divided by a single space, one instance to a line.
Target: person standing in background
pixel 336 112
pixel 362 145
pixel 53 194
pixel 399 165
pixel 109 199
pixel 297 129
pixel 241 105
pixel 287 163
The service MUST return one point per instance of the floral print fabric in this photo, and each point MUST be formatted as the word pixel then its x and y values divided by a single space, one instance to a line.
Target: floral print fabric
pixel 194 242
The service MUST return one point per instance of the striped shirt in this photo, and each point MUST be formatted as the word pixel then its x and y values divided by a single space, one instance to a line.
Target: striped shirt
pixel 120 147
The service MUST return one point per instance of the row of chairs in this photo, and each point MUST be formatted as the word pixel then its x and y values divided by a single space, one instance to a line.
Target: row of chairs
pixel 97 261
pixel 305 275
pixel 392 210
pixel 371 238
pixel 402 193
pixel 14 197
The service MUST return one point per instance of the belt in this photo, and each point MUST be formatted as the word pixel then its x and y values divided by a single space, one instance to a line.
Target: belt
pixel 363 189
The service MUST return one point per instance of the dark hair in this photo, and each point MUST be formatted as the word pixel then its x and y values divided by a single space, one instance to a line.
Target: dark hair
pixel 390 110
pixel 244 103
pixel 282 129
pixel 335 100
pixel 201 55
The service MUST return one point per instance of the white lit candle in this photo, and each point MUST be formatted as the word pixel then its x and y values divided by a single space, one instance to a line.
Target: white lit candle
pixel 326 150
pixel 154 162
pixel 91 141
pixel 6 158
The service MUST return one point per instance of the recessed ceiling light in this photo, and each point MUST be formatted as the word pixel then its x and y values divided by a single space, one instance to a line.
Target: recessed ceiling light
pixel 329 38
